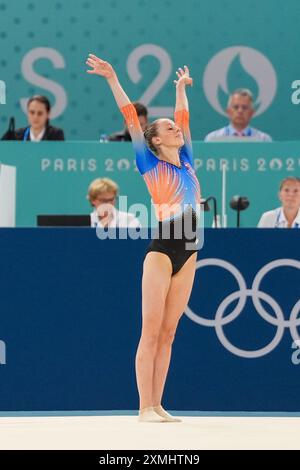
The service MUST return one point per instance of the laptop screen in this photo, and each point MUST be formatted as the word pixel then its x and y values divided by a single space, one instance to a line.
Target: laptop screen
pixel 63 220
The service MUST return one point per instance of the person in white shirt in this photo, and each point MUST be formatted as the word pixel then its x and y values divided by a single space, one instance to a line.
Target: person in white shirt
pixel 288 215
pixel 102 194
pixel 240 110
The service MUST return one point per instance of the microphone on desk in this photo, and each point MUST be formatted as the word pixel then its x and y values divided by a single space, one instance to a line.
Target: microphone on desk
pixel 204 202
pixel 10 133
pixel 239 203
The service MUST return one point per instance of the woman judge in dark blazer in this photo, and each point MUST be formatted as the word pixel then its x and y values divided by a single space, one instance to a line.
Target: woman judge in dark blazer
pixel 38 112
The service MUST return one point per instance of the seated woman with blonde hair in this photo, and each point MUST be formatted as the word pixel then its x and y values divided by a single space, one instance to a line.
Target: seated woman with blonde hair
pixel 288 215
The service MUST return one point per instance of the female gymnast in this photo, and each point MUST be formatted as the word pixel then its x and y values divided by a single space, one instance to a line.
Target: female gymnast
pixel 164 159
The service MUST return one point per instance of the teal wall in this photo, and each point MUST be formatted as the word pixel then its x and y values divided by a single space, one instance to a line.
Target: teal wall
pixel 44 45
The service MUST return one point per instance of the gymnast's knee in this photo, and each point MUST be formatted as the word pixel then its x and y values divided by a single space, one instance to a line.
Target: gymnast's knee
pixel 166 337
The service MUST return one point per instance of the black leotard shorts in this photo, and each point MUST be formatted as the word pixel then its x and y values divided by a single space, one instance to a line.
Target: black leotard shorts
pixel 177 239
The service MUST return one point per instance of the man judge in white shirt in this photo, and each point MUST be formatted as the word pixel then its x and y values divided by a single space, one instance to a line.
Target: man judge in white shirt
pixel 240 110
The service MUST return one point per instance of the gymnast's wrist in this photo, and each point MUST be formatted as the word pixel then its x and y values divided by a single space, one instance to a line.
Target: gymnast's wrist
pixel 113 79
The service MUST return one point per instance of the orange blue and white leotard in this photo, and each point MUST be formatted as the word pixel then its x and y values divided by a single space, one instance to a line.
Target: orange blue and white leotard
pixel 175 190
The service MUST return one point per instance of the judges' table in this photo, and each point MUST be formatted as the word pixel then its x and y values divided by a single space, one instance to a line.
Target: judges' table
pixel 70 318
pixel 53 177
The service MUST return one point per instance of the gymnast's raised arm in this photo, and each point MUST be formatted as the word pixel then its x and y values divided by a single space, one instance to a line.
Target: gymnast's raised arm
pixel 105 69
pixel 182 106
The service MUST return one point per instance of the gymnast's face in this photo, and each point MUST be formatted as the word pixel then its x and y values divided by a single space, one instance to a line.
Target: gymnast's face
pixel 168 134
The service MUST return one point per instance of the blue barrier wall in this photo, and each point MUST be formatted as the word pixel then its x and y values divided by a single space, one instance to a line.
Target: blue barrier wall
pixel 70 321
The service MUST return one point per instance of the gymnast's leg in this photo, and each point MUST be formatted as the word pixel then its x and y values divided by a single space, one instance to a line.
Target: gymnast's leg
pixel 155 285
pixel 176 301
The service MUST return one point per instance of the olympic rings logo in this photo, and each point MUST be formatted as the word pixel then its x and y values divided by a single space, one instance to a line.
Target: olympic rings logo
pixel 257 295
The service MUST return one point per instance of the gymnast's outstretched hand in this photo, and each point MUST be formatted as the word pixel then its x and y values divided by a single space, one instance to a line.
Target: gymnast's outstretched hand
pixel 100 67
pixel 183 77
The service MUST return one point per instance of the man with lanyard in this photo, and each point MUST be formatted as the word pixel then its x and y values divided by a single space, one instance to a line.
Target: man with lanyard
pixel 240 111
